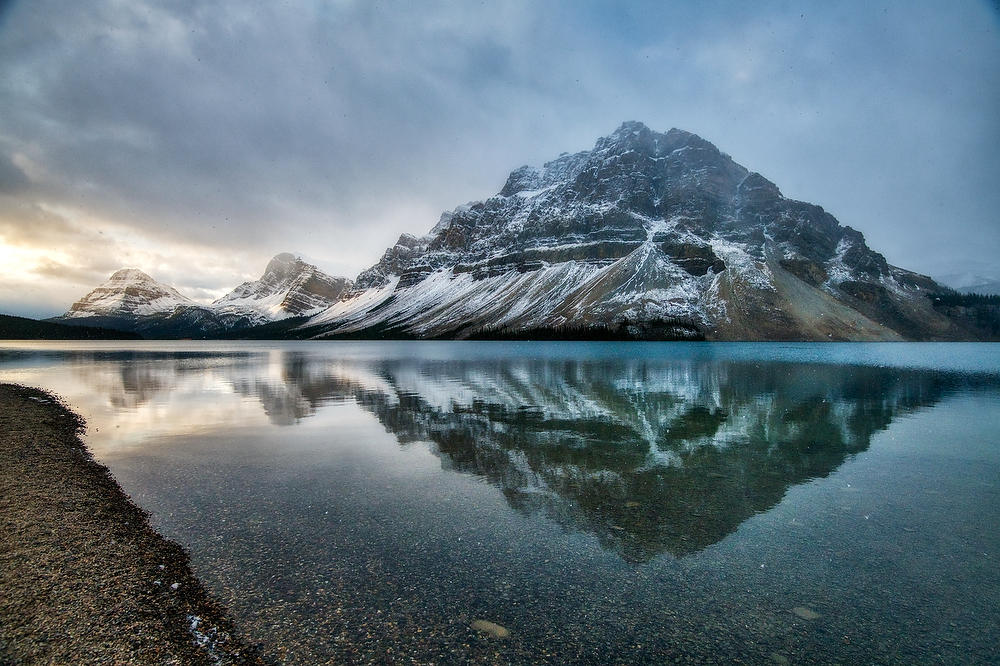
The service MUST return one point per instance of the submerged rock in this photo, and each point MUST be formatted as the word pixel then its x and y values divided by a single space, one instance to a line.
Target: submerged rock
pixel 491 628
pixel 805 613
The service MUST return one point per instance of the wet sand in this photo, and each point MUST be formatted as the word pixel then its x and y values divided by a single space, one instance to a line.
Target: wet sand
pixel 83 576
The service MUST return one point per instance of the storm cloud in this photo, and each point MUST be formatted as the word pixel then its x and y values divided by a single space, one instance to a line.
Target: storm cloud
pixel 195 140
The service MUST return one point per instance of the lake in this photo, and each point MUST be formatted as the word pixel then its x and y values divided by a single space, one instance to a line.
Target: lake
pixel 604 502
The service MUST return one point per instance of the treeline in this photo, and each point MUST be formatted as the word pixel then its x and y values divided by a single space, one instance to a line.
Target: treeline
pixel 979 311
pixel 23 328
pixel 952 299
pixel 659 330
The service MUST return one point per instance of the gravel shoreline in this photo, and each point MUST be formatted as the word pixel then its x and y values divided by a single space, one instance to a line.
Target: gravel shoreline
pixel 83 576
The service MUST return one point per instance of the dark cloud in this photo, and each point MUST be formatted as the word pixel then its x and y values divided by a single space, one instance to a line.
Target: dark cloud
pixel 255 129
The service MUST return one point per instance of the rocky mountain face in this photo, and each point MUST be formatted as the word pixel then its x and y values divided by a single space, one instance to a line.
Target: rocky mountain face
pixel 289 287
pixel 133 301
pixel 649 236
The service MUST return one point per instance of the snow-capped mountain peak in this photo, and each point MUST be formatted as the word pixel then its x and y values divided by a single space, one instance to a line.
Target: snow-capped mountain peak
pixel 289 287
pixel 132 301
pixel 128 293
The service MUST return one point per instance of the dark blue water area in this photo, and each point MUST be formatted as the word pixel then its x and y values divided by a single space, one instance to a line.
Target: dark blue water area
pixel 603 502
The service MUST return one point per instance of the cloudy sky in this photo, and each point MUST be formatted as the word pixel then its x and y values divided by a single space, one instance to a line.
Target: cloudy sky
pixel 195 140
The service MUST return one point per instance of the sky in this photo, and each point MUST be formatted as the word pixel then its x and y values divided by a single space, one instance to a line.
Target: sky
pixel 196 140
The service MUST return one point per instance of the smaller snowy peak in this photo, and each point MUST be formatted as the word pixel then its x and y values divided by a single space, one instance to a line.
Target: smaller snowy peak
pixel 128 293
pixel 289 287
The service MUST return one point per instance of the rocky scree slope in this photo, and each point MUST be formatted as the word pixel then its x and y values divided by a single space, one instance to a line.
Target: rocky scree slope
pixel 650 236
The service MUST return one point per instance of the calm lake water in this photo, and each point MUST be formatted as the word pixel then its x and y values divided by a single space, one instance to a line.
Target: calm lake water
pixel 605 502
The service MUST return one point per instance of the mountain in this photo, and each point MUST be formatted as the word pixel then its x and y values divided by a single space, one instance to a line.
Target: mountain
pixel 129 294
pixel 648 236
pixel 972 283
pixel 289 287
pixel 133 301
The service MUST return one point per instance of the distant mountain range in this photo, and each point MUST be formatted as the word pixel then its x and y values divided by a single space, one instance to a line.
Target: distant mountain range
pixel 972 283
pixel 647 236
pixel 133 301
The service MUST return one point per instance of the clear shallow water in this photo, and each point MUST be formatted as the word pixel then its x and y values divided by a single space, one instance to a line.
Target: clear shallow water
pixel 604 502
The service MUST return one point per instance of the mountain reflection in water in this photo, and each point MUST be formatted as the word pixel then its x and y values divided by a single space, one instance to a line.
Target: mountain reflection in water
pixel 650 456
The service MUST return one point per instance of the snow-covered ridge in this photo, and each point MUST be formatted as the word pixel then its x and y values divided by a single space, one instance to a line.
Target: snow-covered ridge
pixel 133 300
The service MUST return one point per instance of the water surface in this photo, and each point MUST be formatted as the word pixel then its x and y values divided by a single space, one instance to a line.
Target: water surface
pixel 604 502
